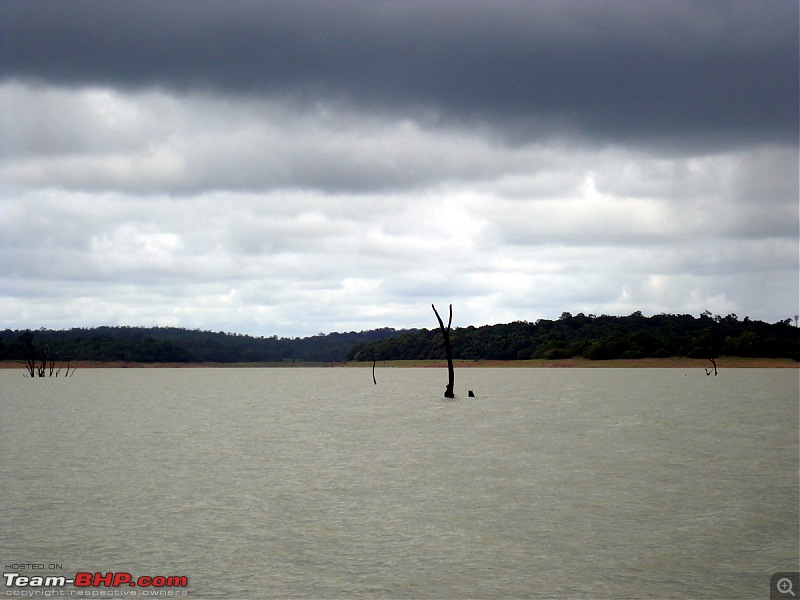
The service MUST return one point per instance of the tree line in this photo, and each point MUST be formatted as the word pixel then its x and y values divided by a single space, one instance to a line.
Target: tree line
pixel 597 338
pixel 178 345
pixel 589 336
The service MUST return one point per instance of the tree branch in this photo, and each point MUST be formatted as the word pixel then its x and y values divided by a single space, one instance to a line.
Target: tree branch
pixel 448 391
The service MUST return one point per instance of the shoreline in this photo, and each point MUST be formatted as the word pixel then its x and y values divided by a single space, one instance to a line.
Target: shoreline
pixel 724 362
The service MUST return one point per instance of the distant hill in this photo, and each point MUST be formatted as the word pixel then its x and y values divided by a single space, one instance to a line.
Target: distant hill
pixel 588 336
pixel 603 337
pixel 172 344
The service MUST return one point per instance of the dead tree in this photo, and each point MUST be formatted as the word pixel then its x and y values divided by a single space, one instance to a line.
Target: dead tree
pixel 67 373
pixel 448 391
pixel 37 364
pixel 375 381
pixel 708 371
pixel 42 366
pixel 30 364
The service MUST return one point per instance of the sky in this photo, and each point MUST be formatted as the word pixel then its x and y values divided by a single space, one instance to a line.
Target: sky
pixel 294 168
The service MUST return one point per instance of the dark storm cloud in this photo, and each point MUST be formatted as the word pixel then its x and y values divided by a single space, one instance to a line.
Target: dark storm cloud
pixel 723 72
pixel 302 166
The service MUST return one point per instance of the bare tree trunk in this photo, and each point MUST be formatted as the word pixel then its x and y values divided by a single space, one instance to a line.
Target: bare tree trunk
pixel 42 367
pixel 38 364
pixel 448 391
pixel 375 381
pixel 708 371
pixel 51 358
pixel 30 364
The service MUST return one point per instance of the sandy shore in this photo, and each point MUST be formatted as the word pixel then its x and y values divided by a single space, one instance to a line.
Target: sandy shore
pixel 729 362
pixel 725 362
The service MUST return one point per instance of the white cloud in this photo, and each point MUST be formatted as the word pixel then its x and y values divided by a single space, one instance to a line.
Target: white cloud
pixel 146 142
pixel 246 214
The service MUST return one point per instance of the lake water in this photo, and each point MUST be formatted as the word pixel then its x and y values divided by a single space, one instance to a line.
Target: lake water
pixel 315 483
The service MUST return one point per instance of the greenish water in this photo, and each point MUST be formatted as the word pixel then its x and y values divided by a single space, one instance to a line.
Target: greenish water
pixel 315 483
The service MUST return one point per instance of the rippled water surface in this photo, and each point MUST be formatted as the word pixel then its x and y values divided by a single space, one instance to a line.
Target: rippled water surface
pixel 315 483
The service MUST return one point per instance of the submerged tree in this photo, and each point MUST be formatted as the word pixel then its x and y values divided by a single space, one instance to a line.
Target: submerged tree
pixel 448 392
pixel 43 363
pixel 708 371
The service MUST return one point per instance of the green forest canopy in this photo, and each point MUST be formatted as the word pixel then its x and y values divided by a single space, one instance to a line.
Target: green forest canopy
pixel 597 338
pixel 588 336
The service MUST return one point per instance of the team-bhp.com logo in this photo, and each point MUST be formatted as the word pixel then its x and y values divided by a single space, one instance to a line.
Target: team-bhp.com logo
pixel 95 580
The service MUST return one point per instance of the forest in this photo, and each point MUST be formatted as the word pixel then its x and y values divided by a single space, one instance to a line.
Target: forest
pixel 597 338
pixel 588 336
pixel 177 345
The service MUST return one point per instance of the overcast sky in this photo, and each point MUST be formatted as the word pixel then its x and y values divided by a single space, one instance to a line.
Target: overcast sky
pixel 298 167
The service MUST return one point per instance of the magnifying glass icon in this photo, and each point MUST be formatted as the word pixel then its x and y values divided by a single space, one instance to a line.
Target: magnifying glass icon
pixel 784 586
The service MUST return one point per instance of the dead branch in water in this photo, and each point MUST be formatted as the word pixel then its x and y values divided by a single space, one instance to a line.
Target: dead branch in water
pixel 39 364
pixel 448 391
pixel 708 371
